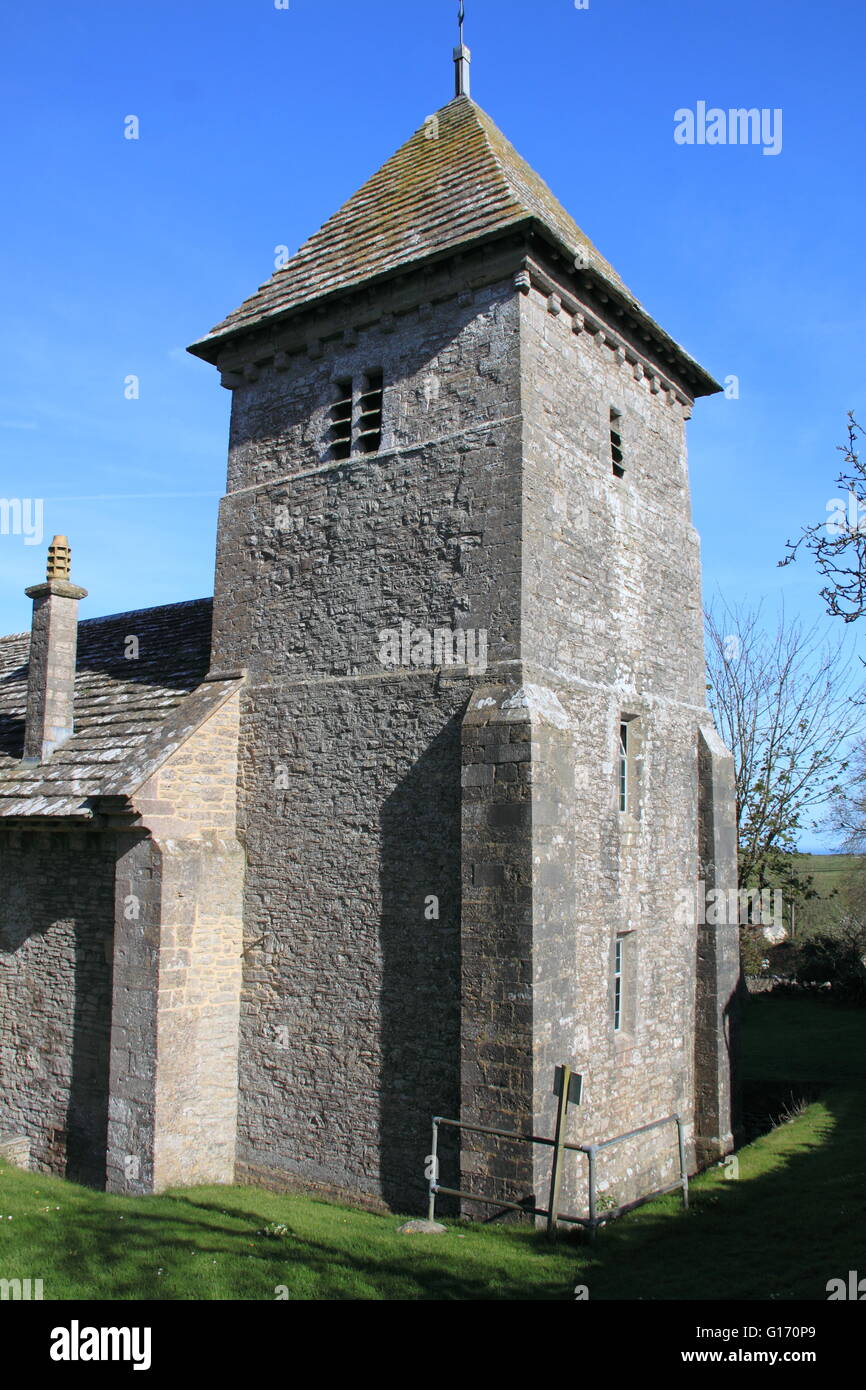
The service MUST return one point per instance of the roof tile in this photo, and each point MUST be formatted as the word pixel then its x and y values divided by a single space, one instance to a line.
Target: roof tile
pixel 120 705
pixel 458 178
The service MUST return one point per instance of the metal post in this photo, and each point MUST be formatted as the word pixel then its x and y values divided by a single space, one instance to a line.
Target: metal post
pixel 434 1171
pixel 684 1177
pixel 571 1083
pixel 558 1150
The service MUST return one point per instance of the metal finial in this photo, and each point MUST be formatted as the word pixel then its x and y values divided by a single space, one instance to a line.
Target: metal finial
pixel 462 58
pixel 59 559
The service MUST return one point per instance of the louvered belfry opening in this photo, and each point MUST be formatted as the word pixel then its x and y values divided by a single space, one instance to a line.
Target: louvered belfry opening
pixel 350 433
pixel 370 436
pixel 340 433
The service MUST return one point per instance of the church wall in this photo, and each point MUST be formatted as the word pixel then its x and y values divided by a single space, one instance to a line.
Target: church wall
pixel 448 366
pixel 718 1117
pixel 350 767
pixel 174 1042
pixel 499 958
pixel 585 588
pixel 612 625
pixel 56 926
pixel 426 530
pixel 612 577
pixel 350 1023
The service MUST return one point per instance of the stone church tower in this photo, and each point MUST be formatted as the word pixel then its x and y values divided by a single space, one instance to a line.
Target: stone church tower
pixel 413 821
pixel 449 413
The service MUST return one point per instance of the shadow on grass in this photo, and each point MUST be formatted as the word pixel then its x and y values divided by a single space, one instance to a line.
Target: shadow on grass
pixel 780 1233
pixel 768 1104
pixel 117 1261
pixel 796 1215
pixel 794 1219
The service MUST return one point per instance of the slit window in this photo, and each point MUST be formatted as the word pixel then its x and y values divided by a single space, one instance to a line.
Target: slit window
pixel 623 984
pixel 629 766
pixel 623 767
pixel 616 449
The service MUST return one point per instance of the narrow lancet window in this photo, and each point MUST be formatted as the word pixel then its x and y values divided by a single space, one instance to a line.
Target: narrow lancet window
pixel 616 449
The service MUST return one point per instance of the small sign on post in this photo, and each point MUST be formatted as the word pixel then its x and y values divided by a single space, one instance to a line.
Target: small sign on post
pixel 568 1087
pixel 575 1085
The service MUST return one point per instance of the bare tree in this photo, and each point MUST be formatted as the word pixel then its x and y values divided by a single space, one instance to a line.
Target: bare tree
pixel 838 544
pixel 848 811
pixel 786 705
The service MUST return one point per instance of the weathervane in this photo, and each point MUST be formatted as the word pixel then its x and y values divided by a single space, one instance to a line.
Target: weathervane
pixel 462 57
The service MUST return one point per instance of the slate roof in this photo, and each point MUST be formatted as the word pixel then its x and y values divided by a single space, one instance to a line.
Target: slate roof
pixel 457 179
pixel 128 714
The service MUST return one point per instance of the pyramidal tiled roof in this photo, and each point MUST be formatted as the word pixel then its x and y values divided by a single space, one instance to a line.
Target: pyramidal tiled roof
pixel 455 180
pixel 127 714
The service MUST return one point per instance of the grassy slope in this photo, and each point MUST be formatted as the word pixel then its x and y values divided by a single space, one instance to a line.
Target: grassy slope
pixel 795 1218
pixel 827 870
pixel 830 873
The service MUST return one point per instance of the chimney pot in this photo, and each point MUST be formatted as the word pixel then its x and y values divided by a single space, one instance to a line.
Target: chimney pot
pixel 59 559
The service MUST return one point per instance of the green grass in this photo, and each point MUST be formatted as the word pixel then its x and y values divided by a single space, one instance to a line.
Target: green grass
pixel 795 1218
pixel 204 1244
pixel 827 870
pixel 833 876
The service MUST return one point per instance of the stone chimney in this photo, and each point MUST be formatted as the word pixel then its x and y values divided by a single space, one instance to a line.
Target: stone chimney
pixel 53 648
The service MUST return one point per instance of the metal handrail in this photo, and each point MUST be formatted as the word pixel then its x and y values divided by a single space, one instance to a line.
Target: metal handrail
pixel 593 1220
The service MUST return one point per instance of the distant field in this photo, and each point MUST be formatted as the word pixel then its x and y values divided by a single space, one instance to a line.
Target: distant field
pixel 827 869
pixel 829 874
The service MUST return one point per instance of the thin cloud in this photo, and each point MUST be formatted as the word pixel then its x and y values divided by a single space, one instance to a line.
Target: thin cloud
pixel 131 496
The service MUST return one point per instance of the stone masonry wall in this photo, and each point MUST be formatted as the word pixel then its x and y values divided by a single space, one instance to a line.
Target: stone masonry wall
pixel 133 1015
pixel 612 593
pixel 490 505
pixel 612 626
pixel 316 557
pixel 497 948
pixel 178 971
pixel 351 771
pixel 717 1039
pixel 56 929
pixel 350 1024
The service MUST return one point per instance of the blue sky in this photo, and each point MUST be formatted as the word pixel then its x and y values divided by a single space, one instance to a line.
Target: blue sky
pixel 256 123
